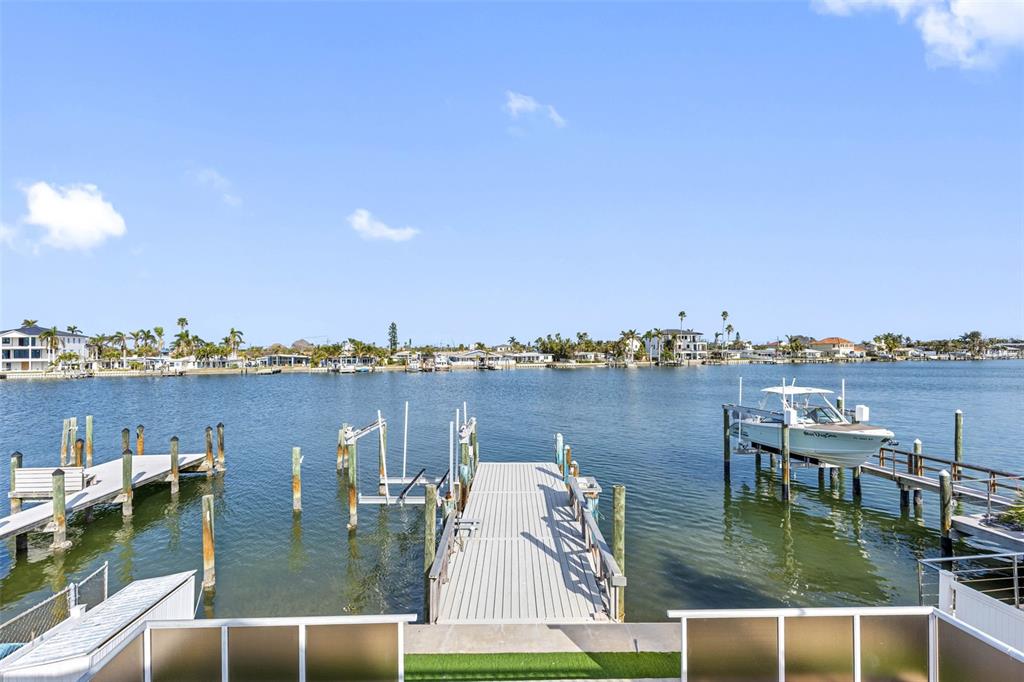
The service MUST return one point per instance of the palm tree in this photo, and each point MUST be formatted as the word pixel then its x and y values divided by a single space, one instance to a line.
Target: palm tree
pixel 682 316
pixel 96 344
pixel 120 339
pixel 51 340
pixel 728 333
pixel 159 331
pixel 29 323
pixel 725 316
pixel 182 322
pixel 233 340
pixel 72 329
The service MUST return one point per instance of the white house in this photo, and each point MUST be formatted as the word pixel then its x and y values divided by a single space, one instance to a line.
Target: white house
pixel 685 344
pixel 589 356
pixel 24 351
pixel 834 346
pixel 532 357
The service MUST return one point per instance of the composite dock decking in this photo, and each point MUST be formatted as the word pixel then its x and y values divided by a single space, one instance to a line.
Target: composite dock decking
pixel 106 487
pixel 527 561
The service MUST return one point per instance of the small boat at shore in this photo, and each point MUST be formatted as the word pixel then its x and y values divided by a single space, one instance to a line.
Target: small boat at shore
pixel 818 430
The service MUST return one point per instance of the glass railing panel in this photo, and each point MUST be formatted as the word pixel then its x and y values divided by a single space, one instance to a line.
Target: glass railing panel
pixel 820 648
pixel 732 649
pixel 268 653
pixel 894 648
pixel 350 652
pixel 185 654
pixel 126 666
pixel 963 657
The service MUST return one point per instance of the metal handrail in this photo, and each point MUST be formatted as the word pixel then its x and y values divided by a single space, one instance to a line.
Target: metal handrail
pixel 608 571
pixel 1012 562
pixel 438 573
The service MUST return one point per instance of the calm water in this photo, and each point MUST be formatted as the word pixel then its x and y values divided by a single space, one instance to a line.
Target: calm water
pixel 692 541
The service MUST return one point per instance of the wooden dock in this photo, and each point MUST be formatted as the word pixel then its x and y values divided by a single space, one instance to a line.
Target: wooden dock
pixel 105 485
pixel 525 549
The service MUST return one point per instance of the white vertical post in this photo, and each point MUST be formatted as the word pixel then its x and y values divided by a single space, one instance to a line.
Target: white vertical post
pixel 383 456
pixel 933 647
pixel 842 392
pixel 224 654
pixel 405 438
pixel 740 402
pixel 147 655
pixel 302 652
pixel 782 648
pixel 401 652
pixel 451 455
pixel 465 413
pixel 684 663
pixel 856 647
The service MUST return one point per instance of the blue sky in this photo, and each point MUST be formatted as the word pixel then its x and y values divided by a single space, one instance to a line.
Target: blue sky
pixel 825 168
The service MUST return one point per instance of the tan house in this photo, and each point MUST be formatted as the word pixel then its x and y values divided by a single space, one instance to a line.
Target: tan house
pixel 834 346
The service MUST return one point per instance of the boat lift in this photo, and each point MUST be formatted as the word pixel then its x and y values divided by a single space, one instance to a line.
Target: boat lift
pixel 384 495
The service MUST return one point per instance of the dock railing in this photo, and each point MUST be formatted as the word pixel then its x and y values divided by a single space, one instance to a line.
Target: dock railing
pixel 999 576
pixel 438 575
pixel 607 569
pixel 994 485
pixel 54 610
pixel 884 642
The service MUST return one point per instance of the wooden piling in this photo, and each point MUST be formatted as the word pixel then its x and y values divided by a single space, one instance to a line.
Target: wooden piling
pixel 209 564
pixel 64 443
pixel 785 461
pixel 220 445
pixel 463 486
pixel 833 476
pixel 946 501
pixel 16 459
pixel 918 471
pixel 79 449
pixel 140 440
pixel 429 544
pixel 88 440
pixel 174 465
pixel 296 479
pixel 341 447
pixel 474 446
pixel 619 541
pixel 821 476
pixel 958 443
pixel 124 440
pixel 60 540
pixel 353 481
pixel 568 465
pixel 726 445
pixel 126 482
pixel 209 451
pixel 856 483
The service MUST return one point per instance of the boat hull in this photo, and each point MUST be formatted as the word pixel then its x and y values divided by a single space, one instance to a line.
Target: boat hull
pixel 849 448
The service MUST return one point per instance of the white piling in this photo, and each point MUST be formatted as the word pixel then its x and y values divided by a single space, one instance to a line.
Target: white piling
pixel 451 457
pixel 405 438
pixel 383 456
pixel 465 413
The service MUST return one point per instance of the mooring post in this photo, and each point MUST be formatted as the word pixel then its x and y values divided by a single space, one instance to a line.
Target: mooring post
pixel 73 434
pixel 560 453
pixel 833 476
pixel 856 482
pixel 429 544
pixel 296 479
pixel 140 440
pixel 619 543
pixel 757 457
pixel 124 439
pixel 126 482
pixel 821 476
pixel 15 465
pixel 946 500
pixel 464 457
pixel 88 440
pixel 209 451
pixel 64 442
pixel 474 446
pixel 463 486
pixel 220 445
pixel 353 482
pixel 785 461
pixel 209 572
pixel 382 485
pixel 567 469
pixel 79 448
pixel 918 471
pixel 726 445
pixel 341 448
pixel 59 512
pixel 174 465
pixel 958 443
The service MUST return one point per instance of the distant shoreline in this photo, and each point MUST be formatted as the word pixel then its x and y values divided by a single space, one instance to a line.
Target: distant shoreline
pixel 251 371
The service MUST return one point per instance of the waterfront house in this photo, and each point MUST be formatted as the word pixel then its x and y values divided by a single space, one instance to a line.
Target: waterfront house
pixel 284 360
pixel 834 347
pixel 24 351
pixel 589 356
pixel 684 344
pixel 532 357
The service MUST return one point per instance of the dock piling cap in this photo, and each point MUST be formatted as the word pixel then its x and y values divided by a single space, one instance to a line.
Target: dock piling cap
pixel 589 486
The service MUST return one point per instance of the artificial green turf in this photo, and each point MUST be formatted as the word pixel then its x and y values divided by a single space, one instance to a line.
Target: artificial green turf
pixel 580 666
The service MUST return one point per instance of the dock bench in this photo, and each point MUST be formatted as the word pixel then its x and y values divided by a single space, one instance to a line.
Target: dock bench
pixel 37 483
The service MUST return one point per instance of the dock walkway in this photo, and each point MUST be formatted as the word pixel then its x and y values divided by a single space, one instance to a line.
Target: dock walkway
pixel 526 560
pixel 105 487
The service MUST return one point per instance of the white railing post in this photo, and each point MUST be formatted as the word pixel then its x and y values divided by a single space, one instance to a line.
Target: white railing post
pixel 782 648
pixel 933 647
pixel 147 655
pixel 302 652
pixel 684 663
pixel 856 647
pixel 224 653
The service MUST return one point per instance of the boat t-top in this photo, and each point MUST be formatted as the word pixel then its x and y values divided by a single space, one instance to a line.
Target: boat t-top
pixel 818 429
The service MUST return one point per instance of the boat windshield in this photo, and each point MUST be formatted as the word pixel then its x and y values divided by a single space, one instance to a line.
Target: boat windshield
pixel 818 415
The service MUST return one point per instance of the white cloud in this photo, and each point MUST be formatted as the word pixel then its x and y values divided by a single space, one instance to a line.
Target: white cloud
pixel 209 177
pixel 967 33
pixel 75 217
pixel 518 104
pixel 8 235
pixel 368 227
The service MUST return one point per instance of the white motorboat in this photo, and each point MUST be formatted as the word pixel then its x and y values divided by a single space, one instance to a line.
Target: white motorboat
pixel 817 429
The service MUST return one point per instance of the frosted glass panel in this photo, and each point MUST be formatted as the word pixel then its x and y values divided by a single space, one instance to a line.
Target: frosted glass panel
pixel 263 653
pixel 126 666
pixel 202 661
pixel 819 648
pixel 352 652
pixel 894 648
pixel 732 649
pixel 963 658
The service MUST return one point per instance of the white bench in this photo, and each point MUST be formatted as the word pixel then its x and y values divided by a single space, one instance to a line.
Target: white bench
pixel 37 483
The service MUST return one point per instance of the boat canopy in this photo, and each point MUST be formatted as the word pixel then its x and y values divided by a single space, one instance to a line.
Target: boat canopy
pixel 796 390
